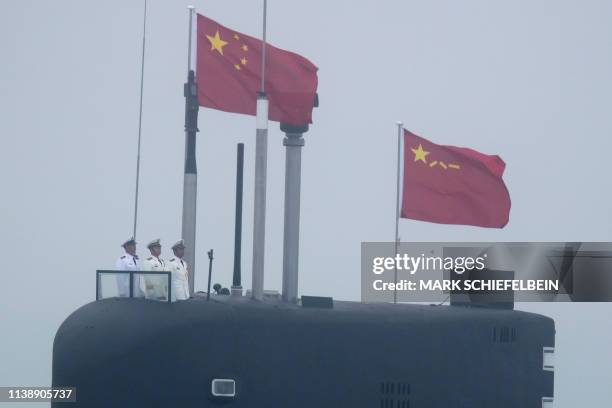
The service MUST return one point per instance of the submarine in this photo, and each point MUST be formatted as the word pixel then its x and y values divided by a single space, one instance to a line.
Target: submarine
pixel 281 350
pixel 264 350
pixel 230 350
pixel 233 351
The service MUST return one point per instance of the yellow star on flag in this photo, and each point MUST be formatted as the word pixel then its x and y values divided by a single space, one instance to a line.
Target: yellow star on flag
pixel 244 47
pixel 243 61
pixel 420 154
pixel 216 43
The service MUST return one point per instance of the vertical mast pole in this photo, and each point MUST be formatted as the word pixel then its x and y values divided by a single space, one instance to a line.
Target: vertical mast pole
pixel 189 48
pixel 293 142
pixel 190 182
pixel 261 164
pixel 262 88
pixel 397 204
pixel 237 277
pixel 142 64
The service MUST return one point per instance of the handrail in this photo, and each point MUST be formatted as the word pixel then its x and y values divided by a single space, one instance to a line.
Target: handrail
pixel 131 280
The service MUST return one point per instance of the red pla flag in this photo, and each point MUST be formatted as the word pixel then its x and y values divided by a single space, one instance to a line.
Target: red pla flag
pixel 228 72
pixel 453 185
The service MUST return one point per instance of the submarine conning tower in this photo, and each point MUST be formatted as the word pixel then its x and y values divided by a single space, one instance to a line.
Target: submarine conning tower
pixel 239 352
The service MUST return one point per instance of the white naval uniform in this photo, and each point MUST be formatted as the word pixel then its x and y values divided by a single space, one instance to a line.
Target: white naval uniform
pixel 128 262
pixel 180 281
pixel 156 285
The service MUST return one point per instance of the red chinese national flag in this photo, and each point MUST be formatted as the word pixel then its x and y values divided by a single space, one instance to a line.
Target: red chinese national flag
pixel 453 185
pixel 228 72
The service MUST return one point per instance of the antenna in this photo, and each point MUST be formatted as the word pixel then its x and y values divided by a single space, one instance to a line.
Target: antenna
pixel 142 65
pixel 210 261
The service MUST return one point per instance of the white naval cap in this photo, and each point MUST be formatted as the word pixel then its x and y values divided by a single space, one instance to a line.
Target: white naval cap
pixel 179 244
pixel 130 241
pixel 155 242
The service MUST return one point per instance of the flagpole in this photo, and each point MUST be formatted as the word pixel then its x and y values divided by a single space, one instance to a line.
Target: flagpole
pixel 397 204
pixel 189 48
pixel 261 159
pixel 263 48
pixel 142 64
pixel 190 181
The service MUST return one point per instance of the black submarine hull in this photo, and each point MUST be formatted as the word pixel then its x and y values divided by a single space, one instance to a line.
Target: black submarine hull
pixel 141 353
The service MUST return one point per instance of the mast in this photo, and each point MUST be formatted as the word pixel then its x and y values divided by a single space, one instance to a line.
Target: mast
pixel 293 142
pixel 142 65
pixel 237 278
pixel 261 164
pixel 400 127
pixel 190 181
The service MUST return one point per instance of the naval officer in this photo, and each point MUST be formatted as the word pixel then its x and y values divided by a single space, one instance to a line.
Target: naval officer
pixel 127 262
pixel 180 275
pixel 155 283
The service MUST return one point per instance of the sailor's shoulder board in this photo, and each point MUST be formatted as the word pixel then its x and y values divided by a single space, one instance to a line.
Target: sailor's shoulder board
pixel 172 260
pixel 123 257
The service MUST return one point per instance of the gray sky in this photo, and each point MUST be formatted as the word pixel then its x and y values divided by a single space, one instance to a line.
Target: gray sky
pixel 528 80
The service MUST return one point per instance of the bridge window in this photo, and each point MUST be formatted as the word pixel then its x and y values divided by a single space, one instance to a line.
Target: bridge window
pixel 134 284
